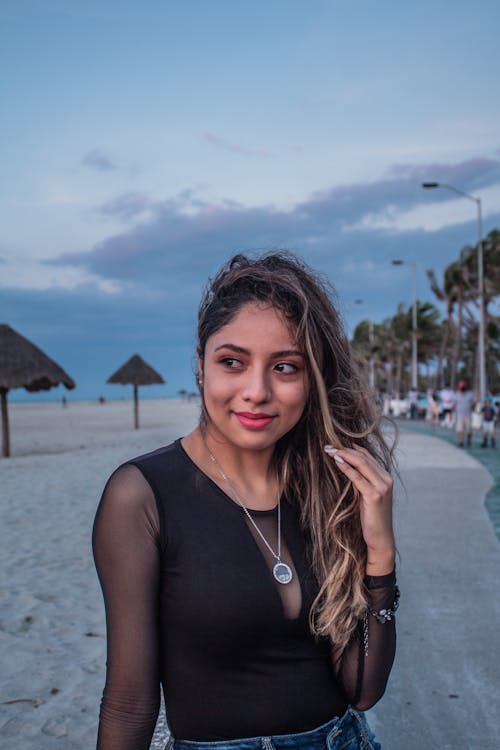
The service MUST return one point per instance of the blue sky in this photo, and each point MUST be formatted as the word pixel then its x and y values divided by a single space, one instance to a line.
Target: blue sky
pixel 145 142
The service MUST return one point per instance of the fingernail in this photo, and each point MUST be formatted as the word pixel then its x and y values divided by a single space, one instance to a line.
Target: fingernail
pixel 330 449
pixel 339 459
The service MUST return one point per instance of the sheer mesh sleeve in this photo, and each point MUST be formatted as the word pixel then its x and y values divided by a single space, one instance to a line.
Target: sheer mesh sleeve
pixel 364 667
pixel 126 552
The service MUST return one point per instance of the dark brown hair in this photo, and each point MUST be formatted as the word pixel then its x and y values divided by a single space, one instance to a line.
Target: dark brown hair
pixel 339 411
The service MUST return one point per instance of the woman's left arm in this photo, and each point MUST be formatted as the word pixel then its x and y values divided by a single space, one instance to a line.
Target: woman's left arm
pixel 364 666
pixel 126 544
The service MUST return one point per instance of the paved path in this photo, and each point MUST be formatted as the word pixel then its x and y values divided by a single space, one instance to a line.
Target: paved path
pixel 444 690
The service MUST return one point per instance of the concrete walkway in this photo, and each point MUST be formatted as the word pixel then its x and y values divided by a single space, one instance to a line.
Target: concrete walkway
pixel 444 691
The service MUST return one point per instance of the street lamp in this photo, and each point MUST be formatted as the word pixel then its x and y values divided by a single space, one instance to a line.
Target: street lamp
pixel 480 278
pixel 370 335
pixel 414 365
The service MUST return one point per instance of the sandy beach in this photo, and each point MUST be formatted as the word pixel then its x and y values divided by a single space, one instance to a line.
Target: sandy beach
pixel 52 629
pixel 52 626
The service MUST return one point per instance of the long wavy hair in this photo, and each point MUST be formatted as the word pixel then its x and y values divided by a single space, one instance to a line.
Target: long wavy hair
pixel 339 411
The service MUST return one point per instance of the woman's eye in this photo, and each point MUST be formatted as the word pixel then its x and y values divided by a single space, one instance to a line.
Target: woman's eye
pixel 287 368
pixel 231 362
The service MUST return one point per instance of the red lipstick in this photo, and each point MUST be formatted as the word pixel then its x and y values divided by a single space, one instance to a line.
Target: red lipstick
pixel 254 420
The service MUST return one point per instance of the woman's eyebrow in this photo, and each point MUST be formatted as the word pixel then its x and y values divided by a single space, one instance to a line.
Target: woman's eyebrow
pixel 287 353
pixel 273 355
pixel 233 347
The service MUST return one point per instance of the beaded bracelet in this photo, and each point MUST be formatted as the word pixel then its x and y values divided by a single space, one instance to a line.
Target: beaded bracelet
pixel 382 616
pixel 386 614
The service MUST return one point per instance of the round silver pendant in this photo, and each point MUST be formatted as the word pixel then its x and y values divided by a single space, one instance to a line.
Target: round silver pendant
pixel 282 572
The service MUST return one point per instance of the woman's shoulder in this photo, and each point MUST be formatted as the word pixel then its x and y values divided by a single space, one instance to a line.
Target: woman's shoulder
pixel 167 471
pixel 162 457
pixel 137 477
pixel 163 464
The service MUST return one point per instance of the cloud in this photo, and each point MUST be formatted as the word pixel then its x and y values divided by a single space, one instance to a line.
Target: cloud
pixel 139 288
pixel 442 208
pixel 98 160
pixel 429 216
pixel 233 148
pixel 186 237
pixel 350 232
pixel 30 273
pixel 127 206
pixel 473 173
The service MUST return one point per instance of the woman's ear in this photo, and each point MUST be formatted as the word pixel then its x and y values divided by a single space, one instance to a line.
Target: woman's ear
pixel 199 372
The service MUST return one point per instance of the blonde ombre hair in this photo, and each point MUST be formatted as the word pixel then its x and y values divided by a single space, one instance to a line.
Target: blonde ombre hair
pixel 339 411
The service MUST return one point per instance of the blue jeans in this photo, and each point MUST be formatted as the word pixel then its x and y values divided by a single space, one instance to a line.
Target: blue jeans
pixel 351 732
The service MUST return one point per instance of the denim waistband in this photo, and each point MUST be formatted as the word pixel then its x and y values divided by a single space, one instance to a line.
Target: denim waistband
pixel 339 729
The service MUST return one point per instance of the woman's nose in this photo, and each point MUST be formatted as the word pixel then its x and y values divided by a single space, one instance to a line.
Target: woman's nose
pixel 257 387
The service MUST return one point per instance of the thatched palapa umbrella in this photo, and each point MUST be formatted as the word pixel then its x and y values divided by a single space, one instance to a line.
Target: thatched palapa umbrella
pixel 135 372
pixel 24 365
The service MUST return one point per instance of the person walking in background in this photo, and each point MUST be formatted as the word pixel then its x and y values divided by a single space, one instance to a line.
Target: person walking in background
pixel 477 418
pixel 432 407
pixel 464 403
pixel 447 398
pixel 489 418
pixel 413 399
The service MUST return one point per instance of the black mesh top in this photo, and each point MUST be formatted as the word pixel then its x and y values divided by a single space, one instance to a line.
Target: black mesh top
pixel 191 603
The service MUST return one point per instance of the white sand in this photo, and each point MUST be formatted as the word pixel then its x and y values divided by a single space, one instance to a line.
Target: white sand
pixel 52 628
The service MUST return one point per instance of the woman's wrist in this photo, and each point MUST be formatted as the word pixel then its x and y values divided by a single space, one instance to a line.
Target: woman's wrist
pixel 372 583
pixel 381 565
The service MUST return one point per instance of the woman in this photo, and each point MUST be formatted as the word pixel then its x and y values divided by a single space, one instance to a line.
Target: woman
pixel 249 567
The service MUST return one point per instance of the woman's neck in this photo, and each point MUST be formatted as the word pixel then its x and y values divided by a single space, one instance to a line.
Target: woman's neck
pixel 249 472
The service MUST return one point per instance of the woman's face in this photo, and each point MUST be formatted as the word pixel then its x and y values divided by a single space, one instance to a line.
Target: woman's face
pixel 254 379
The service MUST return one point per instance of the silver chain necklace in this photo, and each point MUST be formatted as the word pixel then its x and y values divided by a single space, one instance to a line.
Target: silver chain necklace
pixel 281 571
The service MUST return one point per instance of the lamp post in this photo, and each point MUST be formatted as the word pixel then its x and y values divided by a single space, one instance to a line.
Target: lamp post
pixel 371 369
pixel 480 278
pixel 414 361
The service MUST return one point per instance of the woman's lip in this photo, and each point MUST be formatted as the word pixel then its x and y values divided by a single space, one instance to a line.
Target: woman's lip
pixel 253 421
pixel 254 415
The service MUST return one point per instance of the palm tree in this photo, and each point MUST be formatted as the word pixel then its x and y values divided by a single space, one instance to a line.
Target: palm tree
pixel 456 291
pixel 451 342
pixel 369 341
pixel 362 345
pixel 491 276
pixel 398 342
pixel 429 330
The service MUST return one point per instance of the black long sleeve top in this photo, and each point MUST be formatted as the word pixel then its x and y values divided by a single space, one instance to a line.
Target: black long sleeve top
pixel 191 604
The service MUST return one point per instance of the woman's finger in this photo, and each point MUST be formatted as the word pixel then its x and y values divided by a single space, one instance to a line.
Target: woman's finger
pixel 368 490
pixel 361 484
pixel 371 470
